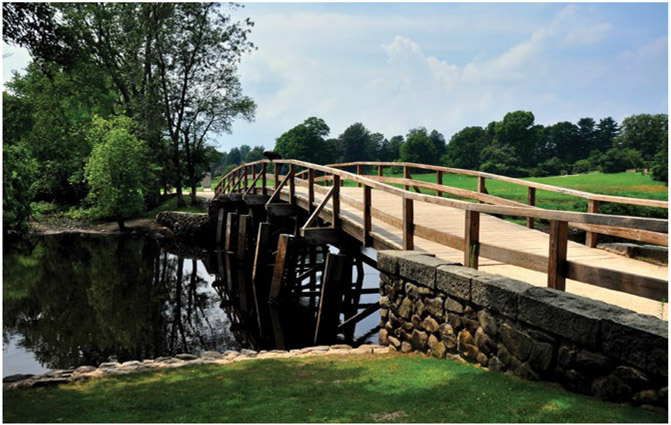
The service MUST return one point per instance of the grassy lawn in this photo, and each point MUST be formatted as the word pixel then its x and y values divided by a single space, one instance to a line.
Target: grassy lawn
pixel 171 205
pixel 358 388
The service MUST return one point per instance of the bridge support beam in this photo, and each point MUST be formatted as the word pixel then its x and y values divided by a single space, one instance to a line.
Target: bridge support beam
pixel 472 239
pixel 557 266
pixel 591 237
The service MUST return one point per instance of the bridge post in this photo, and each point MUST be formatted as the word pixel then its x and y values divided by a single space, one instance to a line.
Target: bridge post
pixel 311 190
pixel 358 173
pixel 406 175
pixel 481 186
pixel 408 225
pixel 379 170
pixel 276 176
pixel 590 237
pixel 292 185
pixel 367 219
pixel 263 179
pixel 439 180
pixel 335 222
pixel 244 170
pixel 472 239
pixel 557 255
pixel 531 200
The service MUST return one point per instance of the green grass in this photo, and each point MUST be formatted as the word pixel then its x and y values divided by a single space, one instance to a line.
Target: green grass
pixel 171 205
pixel 361 388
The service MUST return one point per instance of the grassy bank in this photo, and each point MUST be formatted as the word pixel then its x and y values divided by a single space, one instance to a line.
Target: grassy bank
pixel 358 388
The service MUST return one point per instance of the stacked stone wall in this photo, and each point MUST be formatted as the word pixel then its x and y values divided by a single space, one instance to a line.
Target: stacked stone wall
pixel 437 307
pixel 189 226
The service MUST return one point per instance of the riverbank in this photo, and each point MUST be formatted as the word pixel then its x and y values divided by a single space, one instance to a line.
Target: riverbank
pixel 320 388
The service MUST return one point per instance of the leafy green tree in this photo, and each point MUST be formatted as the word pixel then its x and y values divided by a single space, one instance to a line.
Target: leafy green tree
pixel 660 164
pixel 18 172
pixel 465 147
pixel 518 131
pixel 646 133
pixel 558 140
pixel 198 48
pixel 501 159
pixel 418 148
pixel 617 160
pixel 606 131
pixel 115 170
pixel 306 142
pixel 438 141
pixel 356 144
pixel 390 150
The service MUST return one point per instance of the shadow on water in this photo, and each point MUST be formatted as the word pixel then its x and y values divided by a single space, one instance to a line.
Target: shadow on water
pixel 78 299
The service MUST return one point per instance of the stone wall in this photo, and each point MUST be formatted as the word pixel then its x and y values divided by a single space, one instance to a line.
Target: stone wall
pixel 437 307
pixel 188 226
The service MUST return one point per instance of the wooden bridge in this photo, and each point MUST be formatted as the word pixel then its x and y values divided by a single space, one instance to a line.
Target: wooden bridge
pixel 380 215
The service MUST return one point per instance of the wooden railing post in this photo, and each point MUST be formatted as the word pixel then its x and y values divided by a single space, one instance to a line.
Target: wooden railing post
pixel 408 224
pixel 336 202
pixel 358 173
pixel 245 176
pixel 367 219
pixel 481 186
pixel 472 239
pixel 406 175
pixel 292 185
pixel 439 180
pixel 379 170
pixel 557 255
pixel 311 190
pixel 254 178
pixel 531 200
pixel 263 179
pixel 276 176
pixel 590 237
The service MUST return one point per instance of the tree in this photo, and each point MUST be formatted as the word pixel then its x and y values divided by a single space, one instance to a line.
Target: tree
pixel 438 141
pixel 115 170
pixel 517 130
pixel 198 50
pixel 357 144
pixel 390 149
pixel 418 148
pixel 501 159
pixel 586 139
pixel 644 132
pixel 617 160
pixel 18 171
pixel 558 140
pixel 305 142
pixel 606 131
pixel 465 147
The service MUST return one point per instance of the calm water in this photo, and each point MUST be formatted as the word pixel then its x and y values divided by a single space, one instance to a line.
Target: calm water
pixel 84 299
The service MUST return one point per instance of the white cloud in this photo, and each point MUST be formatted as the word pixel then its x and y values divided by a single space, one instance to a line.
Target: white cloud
pixel 590 34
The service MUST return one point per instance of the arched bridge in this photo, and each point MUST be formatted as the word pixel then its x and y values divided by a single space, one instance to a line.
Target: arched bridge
pixel 369 206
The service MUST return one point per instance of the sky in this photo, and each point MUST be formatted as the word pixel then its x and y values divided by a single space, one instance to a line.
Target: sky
pixel 445 66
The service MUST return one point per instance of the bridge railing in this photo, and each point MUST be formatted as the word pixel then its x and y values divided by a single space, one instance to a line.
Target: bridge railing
pixel 481 195
pixel 254 177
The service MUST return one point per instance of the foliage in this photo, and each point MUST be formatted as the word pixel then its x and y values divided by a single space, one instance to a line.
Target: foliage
pixel 517 130
pixel 321 389
pixel 465 147
pixel 660 166
pixel 616 160
pixel 501 159
pixel 115 170
pixel 583 166
pixel 418 148
pixel 390 150
pixel 306 142
pixel 357 144
pixel 18 173
pixel 646 133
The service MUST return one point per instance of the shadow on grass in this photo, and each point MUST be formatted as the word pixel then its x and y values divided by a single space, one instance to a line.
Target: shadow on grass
pixel 325 389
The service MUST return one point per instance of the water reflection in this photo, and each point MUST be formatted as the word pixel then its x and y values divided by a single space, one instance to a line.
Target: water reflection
pixel 85 299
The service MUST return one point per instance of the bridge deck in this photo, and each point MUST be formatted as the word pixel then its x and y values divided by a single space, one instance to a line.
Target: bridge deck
pixel 502 233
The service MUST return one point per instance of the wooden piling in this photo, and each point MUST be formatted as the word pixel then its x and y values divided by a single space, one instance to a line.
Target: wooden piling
pixel 337 273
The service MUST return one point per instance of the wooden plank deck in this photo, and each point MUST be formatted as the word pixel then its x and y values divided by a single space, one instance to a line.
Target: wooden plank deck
pixel 498 233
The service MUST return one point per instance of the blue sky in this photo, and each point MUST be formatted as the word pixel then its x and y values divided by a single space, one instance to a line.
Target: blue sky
pixel 445 66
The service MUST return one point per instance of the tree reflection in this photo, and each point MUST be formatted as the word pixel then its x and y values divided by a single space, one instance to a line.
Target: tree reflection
pixel 85 299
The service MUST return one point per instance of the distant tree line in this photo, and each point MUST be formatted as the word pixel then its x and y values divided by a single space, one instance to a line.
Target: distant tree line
pixel 514 146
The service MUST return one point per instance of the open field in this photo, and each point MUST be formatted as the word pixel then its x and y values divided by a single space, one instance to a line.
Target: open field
pixel 359 388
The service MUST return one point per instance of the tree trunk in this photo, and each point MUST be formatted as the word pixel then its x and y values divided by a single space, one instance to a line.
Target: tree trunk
pixel 178 173
pixel 120 222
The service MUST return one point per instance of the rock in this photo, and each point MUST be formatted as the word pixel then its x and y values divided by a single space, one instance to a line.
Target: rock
pixel 565 356
pixel 252 353
pixel 394 342
pixel 639 340
pixel 447 335
pixel 430 325
pixel 186 357
pixel 109 365
pixel 416 321
pixel 384 302
pixel 646 397
pixel 434 306
pixel 211 355
pixel 488 322
pixel 540 358
pixel 455 281
pixel 405 309
pixel 469 313
pixel 16 378
pixel 631 376
pixel 497 293
pixel 495 365
pixel 483 342
pixel 420 308
pixel 49 382
pixel 406 347
pixel 611 388
pixel 387 261
pixel 436 347
pixel 573 380
pixel 419 339
pixel 466 345
pixel 383 337
pixel 421 268
pixel 525 372
pixel 84 369
pixel 411 290
pixel 483 359
pixel 228 354
pixel 471 325
pixel 656 409
pixel 519 343
pixel 453 305
pixel 591 364
pixel 131 363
